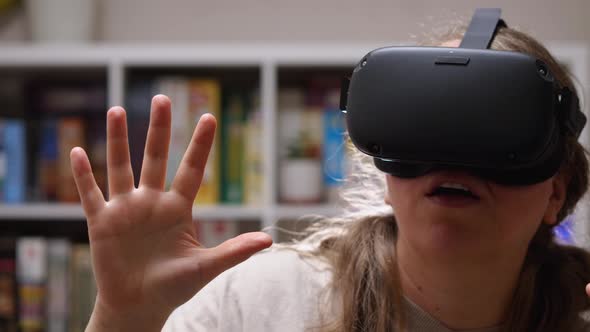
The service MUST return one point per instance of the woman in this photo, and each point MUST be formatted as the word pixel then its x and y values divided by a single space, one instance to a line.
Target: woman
pixel 442 263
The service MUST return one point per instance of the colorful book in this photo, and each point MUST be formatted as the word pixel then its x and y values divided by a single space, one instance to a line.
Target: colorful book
pixel 253 159
pixel 70 133
pixel 57 304
pixel 31 271
pixel 204 97
pixel 2 161
pixel 48 161
pixel 15 161
pixel 232 146
pixel 83 290
pixel 333 151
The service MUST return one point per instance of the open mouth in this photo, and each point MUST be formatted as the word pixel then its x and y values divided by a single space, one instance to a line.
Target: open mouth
pixel 452 190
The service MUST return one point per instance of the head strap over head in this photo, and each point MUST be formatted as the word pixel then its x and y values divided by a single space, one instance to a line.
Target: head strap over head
pixel 482 28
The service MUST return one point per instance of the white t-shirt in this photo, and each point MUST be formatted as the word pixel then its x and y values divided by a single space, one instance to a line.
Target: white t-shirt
pixel 271 291
pixel 276 291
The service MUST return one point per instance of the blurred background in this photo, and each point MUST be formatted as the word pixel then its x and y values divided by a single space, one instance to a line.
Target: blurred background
pixel 269 70
pixel 305 20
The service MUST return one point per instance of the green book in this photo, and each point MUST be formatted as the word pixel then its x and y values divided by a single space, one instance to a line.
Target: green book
pixel 232 146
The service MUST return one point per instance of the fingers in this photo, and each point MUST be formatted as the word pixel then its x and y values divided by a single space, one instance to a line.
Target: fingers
pixel 90 195
pixel 120 173
pixel 231 252
pixel 153 170
pixel 190 172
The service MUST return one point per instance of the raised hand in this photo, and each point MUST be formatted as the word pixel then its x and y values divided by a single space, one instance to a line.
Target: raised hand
pixel 146 258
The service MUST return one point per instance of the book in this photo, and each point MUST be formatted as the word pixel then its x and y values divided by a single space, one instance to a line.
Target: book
pixel 96 141
pixel 58 260
pixel 204 97
pixel 3 161
pixel 48 161
pixel 333 151
pixel 8 286
pixel 31 272
pixel 83 289
pixel 15 161
pixel 70 133
pixel 253 159
pixel 232 146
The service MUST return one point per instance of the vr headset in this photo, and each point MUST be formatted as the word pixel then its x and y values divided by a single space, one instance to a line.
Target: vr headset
pixel 497 114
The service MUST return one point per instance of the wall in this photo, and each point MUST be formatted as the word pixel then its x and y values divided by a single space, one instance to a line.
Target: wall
pixel 313 20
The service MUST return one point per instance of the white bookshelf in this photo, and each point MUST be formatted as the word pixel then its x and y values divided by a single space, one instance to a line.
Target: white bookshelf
pixel 115 60
pixel 268 58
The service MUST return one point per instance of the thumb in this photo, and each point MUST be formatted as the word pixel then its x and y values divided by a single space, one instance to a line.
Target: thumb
pixel 215 260
pixel 588 289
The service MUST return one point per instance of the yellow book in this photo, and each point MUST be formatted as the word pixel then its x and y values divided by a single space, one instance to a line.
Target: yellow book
pixel 204 97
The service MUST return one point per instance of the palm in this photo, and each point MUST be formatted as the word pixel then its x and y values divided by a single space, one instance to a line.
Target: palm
pixel 143 241
pixel 130 246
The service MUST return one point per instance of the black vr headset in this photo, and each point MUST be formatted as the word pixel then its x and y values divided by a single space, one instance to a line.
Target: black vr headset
pixel 497 114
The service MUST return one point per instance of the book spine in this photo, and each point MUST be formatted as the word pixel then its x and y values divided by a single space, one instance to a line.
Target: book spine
pixel 97 152
pixel 253 162
pixel 58 261
pixel 31 257
pixel 205 98
pixel 8 286
pixel 70 134
pixel 15 149
pixel 333 152
pixel 232 147
pixel 48 161
pixel 83 288
pixel 3 161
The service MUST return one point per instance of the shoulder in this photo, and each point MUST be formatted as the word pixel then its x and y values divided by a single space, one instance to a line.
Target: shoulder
pixel 276 286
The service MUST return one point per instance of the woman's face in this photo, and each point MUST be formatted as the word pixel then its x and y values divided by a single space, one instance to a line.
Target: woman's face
pixel 431 215
pixel 499 218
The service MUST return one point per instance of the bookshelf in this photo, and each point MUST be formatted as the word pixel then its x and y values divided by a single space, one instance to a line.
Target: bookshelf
pixel 269 66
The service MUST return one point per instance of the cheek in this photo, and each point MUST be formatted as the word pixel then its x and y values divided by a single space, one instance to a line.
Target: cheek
pixel 404 196
pixel 400 192
pixel 520 210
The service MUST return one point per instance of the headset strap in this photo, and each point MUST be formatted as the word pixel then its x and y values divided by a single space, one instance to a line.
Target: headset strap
pixel 573 118
pixel 482 28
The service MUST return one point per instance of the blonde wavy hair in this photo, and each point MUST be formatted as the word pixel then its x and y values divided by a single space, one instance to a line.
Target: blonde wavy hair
pixel 357 245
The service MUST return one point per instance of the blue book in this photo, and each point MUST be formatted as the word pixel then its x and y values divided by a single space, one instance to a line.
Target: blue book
pixel 14 138
pixel 334 151
pixel 2 161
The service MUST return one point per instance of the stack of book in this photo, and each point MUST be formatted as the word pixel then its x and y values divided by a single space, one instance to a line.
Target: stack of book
pixel 46 284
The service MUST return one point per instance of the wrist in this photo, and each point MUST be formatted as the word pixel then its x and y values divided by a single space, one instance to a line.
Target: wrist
pixel 104 319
